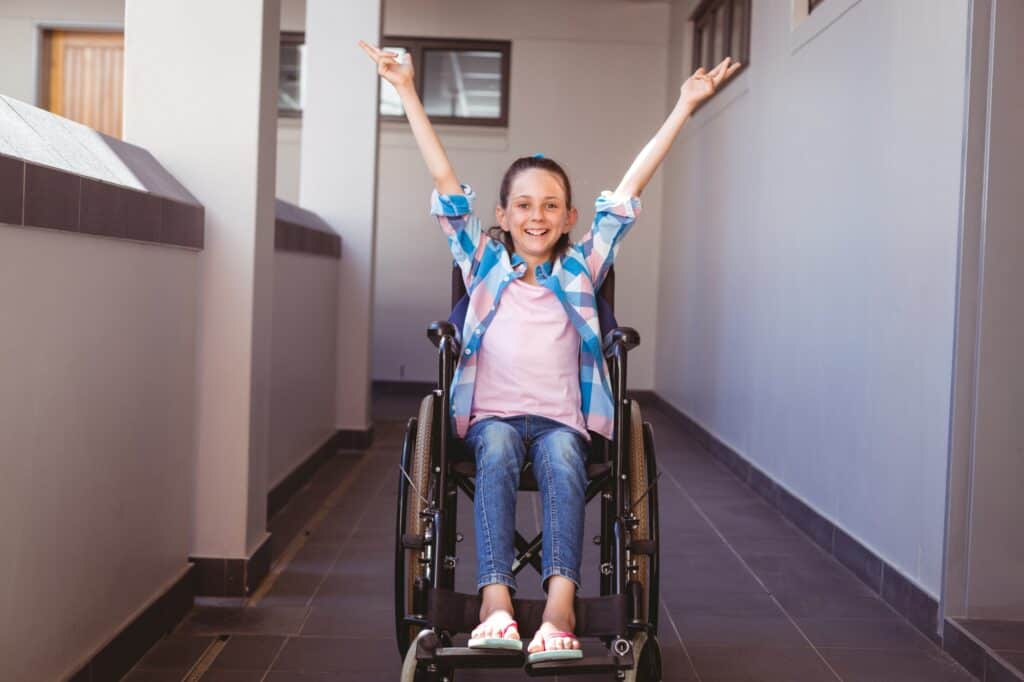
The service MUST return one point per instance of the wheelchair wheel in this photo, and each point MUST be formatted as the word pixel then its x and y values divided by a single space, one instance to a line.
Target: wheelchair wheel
pixel 416 455
pixel 413 672
pixel 647 654
pixel 642 475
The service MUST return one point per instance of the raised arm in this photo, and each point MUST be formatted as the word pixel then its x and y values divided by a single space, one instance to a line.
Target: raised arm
pixel 695 90
pixel 397 70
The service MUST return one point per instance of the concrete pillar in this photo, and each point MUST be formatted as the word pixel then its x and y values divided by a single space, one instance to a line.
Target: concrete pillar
pixel 201 95
pixel 339 175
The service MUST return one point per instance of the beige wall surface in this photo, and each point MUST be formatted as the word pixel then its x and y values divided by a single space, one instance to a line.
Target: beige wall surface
pixel 587 89
pixel 96 439
pixel 807 282
pixel 995 587
pixel 302 375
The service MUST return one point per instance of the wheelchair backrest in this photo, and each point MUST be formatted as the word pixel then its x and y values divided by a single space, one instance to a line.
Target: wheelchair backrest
pixel 605 302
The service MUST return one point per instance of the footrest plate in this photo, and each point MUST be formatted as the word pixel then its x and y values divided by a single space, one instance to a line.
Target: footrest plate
pixel 580 666
pixel 464 657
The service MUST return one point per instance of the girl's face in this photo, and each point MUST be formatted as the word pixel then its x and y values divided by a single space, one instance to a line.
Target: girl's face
pixel 536 215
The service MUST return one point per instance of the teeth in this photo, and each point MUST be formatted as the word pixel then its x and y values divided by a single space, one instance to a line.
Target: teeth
pixel 536 233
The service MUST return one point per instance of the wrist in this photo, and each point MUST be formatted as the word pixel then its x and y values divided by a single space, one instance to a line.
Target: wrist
pixel 406 90
pixel 685 106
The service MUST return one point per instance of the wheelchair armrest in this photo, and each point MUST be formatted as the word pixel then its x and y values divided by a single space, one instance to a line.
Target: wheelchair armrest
pixel 440 329
pixel 627 337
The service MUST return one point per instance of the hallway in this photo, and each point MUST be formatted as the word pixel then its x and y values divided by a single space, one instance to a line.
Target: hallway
pixel 745 595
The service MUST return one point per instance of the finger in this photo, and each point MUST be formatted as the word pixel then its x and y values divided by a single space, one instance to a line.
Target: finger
pixel 369 50
pixel 733 69
pixel 718 70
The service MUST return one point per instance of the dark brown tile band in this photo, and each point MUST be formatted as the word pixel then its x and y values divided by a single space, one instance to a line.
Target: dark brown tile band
pixel 126 648
pixel 216 577
pixel 910 601
pixel 39 196
pixel 295 238
pixel 12 190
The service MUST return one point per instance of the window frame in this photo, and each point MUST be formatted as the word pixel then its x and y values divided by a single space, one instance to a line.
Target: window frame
pixel 290 38
pixel 701 16
pixel 416 46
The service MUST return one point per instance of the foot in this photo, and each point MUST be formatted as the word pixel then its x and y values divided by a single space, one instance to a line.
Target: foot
pixel 496 624
pixel 559 618
pixel 496 615
pixel 547 637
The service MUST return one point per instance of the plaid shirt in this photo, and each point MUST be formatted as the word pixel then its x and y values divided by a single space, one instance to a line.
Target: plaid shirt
pixel 574 278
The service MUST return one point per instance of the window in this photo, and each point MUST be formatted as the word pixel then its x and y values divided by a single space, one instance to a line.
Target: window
pixel 82 76
pixel 459 81
pixel 811 4
pixel 721 28
pixel 289 80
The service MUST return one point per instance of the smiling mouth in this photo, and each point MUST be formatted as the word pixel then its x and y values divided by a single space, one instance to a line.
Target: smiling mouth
pixel 536 233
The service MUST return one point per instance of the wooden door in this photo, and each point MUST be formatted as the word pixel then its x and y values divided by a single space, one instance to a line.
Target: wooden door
pixel 83 77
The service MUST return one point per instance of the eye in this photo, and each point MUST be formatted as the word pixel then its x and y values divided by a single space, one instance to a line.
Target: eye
pixel 552 205
pixel 523 205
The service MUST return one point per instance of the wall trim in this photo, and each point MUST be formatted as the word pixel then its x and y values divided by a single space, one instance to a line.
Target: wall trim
pixel 897 590
pixel 975 656
pixel 282 493
pixel 34 195
pixel 119 655
pixel 220 577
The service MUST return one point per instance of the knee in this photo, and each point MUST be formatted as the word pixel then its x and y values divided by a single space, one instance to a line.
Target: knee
pixel 496 445
pixel 564 455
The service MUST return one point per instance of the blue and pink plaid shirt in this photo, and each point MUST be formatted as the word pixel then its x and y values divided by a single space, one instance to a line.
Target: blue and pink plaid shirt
pixel 574 277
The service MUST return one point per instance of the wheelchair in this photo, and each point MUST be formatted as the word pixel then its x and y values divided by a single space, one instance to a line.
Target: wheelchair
pixel 621 472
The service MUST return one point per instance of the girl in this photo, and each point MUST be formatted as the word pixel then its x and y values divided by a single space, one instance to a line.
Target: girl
pixel 533 386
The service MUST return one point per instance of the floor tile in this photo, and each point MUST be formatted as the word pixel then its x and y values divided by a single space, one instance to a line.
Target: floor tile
pixel 872 665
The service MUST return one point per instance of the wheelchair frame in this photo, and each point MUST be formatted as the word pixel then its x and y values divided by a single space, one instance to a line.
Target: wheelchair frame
pixel 624 616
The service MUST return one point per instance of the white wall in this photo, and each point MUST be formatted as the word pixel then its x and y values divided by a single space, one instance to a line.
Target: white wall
pixel 96 439
pixel 302 375
pixel 587 89
pixel 808 264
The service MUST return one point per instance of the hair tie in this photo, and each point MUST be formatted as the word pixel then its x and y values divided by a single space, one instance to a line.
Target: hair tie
pixel 538 156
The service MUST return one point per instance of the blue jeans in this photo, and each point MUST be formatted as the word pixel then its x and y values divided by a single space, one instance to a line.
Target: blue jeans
pixel 558 454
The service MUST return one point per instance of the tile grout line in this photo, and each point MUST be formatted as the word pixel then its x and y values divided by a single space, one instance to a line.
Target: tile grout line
pixel 355 527
pixel 270 667
pixel 302 538
pixel 686 652
pixel 745 565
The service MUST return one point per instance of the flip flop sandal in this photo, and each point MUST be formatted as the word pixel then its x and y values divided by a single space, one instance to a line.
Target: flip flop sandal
pixel 555 654
pixel 503 642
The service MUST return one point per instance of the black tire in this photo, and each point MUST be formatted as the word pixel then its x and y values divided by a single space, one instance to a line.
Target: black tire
pixel 647 654
pixel 640 480
pixel 416 458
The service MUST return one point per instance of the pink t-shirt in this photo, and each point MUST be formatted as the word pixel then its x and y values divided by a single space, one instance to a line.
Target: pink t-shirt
pixel 529 360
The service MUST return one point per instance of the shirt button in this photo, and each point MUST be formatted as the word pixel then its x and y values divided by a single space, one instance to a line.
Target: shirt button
pixel 477 330
pixel 469 351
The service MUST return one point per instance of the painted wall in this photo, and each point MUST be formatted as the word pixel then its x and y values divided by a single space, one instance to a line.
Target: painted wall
pixel 96 439
pixel 808 263
pixel 302 375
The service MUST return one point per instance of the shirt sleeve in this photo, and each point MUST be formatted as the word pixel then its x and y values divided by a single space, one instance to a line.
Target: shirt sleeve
pixel 613 217
pixel 454 213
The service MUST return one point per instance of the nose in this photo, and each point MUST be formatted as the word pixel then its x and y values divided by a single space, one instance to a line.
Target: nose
pixel 537 214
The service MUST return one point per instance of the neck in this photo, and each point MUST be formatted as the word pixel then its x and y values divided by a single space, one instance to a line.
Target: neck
pixel 532 262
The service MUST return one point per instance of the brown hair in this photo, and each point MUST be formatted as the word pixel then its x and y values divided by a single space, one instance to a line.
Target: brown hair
pixel 518 166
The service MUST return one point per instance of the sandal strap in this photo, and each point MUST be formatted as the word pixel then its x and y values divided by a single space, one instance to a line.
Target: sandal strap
pixel 554 635
pixel 511 624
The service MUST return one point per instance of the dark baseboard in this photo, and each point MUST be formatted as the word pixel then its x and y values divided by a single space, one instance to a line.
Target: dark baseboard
pixel 893 587
pixel 115 659
pixel 281 493
pixel 217 577
pixel 975 656
pixel 355 439
pixel 410 388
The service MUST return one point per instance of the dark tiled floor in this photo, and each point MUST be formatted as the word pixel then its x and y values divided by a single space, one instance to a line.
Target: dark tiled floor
pixel 746 596
pixel 1004 637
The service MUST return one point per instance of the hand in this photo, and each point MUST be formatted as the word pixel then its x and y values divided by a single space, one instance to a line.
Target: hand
pixel 701 85
pixel 392 67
